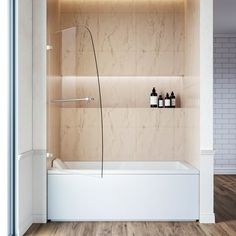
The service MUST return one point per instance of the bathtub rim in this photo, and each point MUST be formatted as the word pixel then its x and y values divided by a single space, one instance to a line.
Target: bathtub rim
pixel 188 170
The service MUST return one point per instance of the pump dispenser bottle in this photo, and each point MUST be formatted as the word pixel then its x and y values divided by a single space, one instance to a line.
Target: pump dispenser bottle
pixel 167 101
pixel 172 100
pixel 153 98
pixel 160 101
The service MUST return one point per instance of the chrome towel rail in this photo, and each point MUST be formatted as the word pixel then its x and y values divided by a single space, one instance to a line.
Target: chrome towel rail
pixel 72 100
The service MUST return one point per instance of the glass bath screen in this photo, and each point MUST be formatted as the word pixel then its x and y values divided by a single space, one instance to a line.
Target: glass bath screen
pixel 75 100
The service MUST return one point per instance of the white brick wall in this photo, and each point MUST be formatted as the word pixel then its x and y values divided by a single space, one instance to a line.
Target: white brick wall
pixel 225 103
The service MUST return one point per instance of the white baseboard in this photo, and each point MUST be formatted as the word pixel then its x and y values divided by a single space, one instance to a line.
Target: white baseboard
pixel 207 218
pixel 225 171
pixel 40 218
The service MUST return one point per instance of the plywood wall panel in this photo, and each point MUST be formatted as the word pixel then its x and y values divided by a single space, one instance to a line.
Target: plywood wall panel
pixel 53 77
pixel 135 38
pixel 134 134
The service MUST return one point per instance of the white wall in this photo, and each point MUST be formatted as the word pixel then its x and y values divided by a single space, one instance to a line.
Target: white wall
pixel 198 98
pixel 4 117
pixel 206 74
pixel 24 76
pixel 31 110
pixel 39 111
pixel 39 74
pixel 206 113
pixel 24 116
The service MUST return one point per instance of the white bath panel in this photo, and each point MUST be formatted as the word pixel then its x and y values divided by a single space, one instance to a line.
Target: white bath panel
pixel 81 197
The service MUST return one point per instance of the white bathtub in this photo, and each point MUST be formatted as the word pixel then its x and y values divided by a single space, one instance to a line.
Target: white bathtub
pixel 127 191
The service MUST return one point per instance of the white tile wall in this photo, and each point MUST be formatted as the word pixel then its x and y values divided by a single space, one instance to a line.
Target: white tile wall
pixel 225 101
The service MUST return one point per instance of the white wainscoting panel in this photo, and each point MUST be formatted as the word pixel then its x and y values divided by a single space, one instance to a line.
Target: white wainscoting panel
pixel 24 201
pixel 207 214
pixel 39 187
pixel 31 190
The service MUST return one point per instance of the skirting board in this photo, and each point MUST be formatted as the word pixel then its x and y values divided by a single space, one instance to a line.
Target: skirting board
pixel 39 218
pixel 225 171
pixel 207 218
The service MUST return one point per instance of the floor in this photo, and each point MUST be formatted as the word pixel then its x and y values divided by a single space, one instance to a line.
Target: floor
pixel 225 209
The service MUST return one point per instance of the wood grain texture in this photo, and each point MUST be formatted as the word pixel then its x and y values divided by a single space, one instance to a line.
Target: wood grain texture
pixel 225 209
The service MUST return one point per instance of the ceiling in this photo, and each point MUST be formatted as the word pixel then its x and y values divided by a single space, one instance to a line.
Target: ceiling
pixel 225 16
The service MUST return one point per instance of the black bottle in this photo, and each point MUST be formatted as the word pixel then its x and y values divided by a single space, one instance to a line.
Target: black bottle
pixel 167 101
pixel 172 100
pixel 160 102
pixel 153 98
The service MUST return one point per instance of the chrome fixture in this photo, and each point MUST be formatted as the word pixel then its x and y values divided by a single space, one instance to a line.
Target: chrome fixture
pixel 49 47
pixel 72 100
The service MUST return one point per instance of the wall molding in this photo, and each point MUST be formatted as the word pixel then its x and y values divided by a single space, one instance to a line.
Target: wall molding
pixel 22 155
pixel 32 152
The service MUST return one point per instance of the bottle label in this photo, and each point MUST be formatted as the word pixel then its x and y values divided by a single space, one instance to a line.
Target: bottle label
pixel 167 102
pixel 160 103
pixel 153 100
pixel 173 102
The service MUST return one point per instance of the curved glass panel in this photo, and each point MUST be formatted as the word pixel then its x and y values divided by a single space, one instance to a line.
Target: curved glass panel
pixel 74 99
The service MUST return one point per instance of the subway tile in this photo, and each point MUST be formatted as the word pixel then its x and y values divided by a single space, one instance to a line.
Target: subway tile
pixel 222 40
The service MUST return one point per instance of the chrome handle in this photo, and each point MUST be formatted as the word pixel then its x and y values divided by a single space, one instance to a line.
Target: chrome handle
pixel 72 100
